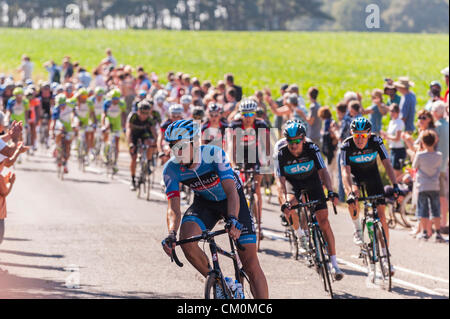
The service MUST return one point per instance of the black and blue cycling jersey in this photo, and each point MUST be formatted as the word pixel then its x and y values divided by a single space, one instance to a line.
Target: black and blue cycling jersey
pixel 210 201
pixel 205 178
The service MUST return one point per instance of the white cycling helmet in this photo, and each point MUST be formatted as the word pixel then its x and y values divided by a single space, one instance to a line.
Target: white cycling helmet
pixel 176 109
pixel 248 105
pixel 186 99
pixel 159 98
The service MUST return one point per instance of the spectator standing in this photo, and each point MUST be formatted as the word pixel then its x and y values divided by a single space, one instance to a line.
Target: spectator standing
pixel 54 71
pixel 67 69
pixel 109 58
pixel 442 127
pixel 407 103
pixel 428 163
pixel 26 68
pixel 394 137
pixel 278 123
pixel 84 77
pixel 229 82
pixel 313 120
pixel 329 141
pixel 391 91
pixel 434 93
pixel 445 73
pixel 376 111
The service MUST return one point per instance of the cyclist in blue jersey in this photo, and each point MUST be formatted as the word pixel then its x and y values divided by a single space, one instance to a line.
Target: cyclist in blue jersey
pixel 218 194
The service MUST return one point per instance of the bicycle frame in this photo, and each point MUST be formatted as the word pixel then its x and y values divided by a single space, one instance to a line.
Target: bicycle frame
pixel 215 250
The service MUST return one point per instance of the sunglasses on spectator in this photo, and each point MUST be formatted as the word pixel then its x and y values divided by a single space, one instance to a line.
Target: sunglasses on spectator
pixel 295 141
pixel 422 117
pixel 248 114
pixel 213 114
pixel 360 135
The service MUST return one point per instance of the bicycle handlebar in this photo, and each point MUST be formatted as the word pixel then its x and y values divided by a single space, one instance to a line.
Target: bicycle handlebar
pixel 206 235
pixel 313 203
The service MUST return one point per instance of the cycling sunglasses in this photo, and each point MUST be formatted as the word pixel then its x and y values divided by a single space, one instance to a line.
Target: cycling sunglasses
pixel 214 114
pixel 295 141
pixel 360 135
pixel 248 114
pixel 116 98
pixel 179 145
pixel 422 118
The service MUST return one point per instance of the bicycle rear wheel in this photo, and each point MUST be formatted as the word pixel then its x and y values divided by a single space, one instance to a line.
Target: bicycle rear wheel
pixel 384 262
pixel 213 281
pixel 323 261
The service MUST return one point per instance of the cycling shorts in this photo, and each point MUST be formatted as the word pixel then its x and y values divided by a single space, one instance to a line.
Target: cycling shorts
pixel 207 213
pixel 314 193
pixel 374 186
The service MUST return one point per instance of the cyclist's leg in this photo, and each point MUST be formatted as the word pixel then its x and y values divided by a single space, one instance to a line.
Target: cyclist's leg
pixel 375 187
pixel 258 197
pixel 195 220
pixel 249 258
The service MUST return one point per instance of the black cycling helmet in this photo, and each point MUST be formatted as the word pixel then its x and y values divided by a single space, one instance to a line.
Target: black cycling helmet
pixel 294 128
pixel 361 124
pixel 198 112
pixel 213 107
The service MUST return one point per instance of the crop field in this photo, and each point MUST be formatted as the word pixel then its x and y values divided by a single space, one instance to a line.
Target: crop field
pixel 334 62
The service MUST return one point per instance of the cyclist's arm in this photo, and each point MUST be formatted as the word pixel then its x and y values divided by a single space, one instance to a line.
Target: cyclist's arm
pixel 325 178
pixel 233 207
pixel 128 132
pixel 389 170
pixel 347 178
pixel 173 214
pixel 281 183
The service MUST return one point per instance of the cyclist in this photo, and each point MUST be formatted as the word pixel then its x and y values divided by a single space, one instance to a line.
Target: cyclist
pixel 218 194
pixel 113 119
pixel 18 109
pixel 300 167
pixel 247 143
pixel 186 101
pixel 34 103
pixel 140 125
pixel 175 114
pixel 86 115
pixel 213 131
pixel 62 115
pixel 198 113
pixel 359 167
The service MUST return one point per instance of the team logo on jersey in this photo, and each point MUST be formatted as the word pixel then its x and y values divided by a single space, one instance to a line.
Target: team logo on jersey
pixel 364 158
pixel 299 168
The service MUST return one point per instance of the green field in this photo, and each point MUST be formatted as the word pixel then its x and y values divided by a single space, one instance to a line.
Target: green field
pixel 335 62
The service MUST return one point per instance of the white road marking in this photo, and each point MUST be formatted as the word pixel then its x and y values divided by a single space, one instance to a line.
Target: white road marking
pixel 415 273
pixel 395 280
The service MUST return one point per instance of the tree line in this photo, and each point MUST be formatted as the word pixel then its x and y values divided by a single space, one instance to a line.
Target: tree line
pixel 324 15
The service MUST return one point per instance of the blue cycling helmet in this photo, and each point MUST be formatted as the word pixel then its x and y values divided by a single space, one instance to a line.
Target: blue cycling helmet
pixel 182 129
pixel 361 124
pixel 294 128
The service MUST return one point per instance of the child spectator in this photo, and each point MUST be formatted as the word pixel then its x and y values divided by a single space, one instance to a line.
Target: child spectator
pixel 428 165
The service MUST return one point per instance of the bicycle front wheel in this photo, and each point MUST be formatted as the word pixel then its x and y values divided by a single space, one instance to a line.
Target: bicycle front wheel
pixel 216 288
pixel 323 261
pixel 384 262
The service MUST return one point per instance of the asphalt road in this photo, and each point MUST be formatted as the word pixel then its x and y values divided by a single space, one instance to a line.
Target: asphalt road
pixel 90 237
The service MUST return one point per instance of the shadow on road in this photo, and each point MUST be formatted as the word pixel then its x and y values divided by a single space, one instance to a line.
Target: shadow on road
pixel 16 287
pixel 36 170
pixel 78 180
pixel 27 254
pixel 33 266
pixel 275 253
pixel 15 239
pixel 414 293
